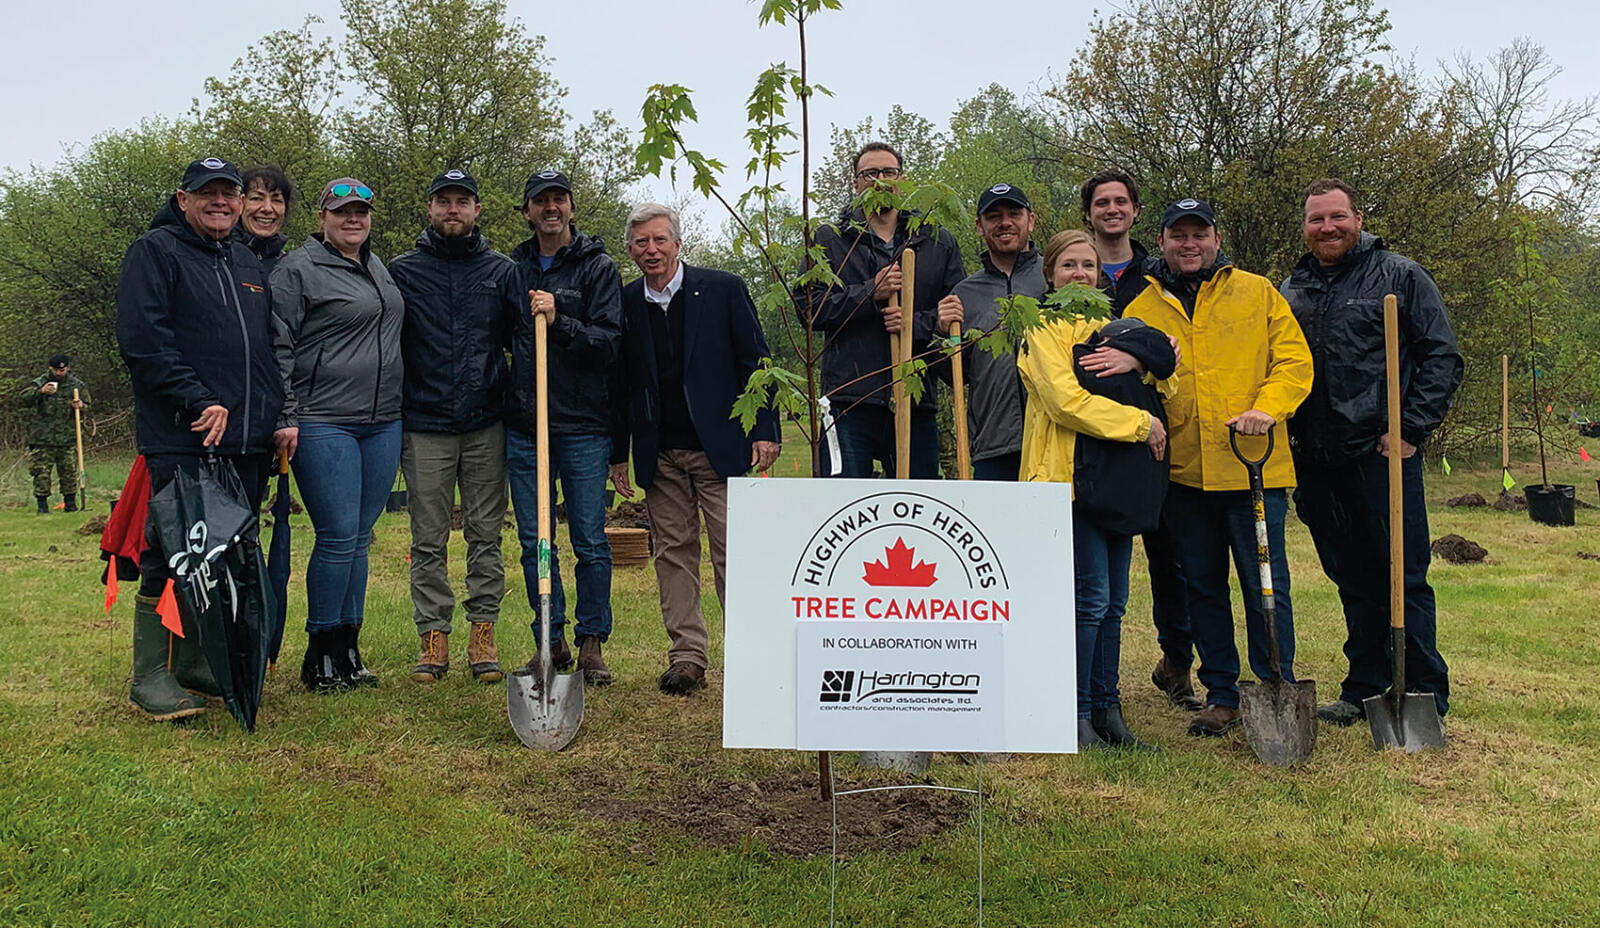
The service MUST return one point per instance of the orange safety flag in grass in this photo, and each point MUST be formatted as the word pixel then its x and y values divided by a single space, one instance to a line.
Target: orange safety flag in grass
pixel 167 608
pixel 111 583
pixel 1583 455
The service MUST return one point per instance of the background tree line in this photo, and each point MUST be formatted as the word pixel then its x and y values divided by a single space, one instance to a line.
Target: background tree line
pixel 1476 172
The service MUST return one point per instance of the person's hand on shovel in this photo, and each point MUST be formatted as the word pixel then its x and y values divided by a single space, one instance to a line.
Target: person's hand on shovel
pixel 887 283
pixel 1407 449
pixel 542 301
pixel 950 313
pixel 286 441
pixel 1252 422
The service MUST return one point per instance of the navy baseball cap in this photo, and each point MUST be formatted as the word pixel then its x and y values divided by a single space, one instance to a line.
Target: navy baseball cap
pixel 541 181
pixel 1002 193
pixel 1183 209
pixel 202 172
pixel 455 177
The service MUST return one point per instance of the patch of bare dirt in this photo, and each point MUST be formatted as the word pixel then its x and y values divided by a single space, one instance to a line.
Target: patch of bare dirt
pixel 1588 556
pixel 1509 502
pixel 95 525
pixel 1458 550
pixel 788 816
pixel 1467 499
pixel 628 514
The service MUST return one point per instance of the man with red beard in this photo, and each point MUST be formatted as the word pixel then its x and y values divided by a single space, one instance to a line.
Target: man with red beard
pixel 1340 441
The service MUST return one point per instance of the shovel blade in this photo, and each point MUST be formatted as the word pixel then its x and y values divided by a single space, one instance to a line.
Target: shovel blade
pixel 544 721
pixel 1279 719
pixel 1414 725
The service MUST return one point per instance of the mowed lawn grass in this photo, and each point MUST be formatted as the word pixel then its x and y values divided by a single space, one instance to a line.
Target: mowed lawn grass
pixel 412 805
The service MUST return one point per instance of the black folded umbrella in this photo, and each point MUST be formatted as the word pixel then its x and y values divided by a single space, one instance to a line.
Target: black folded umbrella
pixel 209 534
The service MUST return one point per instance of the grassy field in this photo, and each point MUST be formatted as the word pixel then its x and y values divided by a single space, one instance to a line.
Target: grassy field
pixel 408 805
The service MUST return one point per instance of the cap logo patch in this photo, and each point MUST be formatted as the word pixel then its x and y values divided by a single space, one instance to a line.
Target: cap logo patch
pixel 454 174
pixel 546 175
pixel 1187 204
pixel 1000 188
pixel 214 163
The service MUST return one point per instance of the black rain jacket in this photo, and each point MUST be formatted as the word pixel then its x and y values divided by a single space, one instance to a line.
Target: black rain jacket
pixel 1340 309
pixel 585 338
pixel 267 248
pixel 462 302
pixel 851 319
pixel 194 325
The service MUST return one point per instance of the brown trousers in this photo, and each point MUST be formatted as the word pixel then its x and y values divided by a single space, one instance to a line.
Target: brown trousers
pixel 685 481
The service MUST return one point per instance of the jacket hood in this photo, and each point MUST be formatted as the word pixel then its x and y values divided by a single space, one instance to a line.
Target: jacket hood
pixel 1170 278
pixel 323 253
pixel 581 246
pixel 452 247
pixel 171 218
pixel 264 247
pixel 1026 259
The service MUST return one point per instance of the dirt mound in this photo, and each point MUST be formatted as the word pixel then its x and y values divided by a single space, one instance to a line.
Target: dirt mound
pixel 789 818
pixel 628 515
pixel 1458 550
pixel 95 525
pixel 294 505
pixel 1509 503
pixel 1588 556
pixel 1468 499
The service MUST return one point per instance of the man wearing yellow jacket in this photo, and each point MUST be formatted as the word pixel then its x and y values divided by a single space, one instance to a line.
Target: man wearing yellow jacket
pixel 1243 363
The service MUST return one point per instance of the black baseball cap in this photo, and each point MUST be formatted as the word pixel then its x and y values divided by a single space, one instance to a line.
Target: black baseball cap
pixel 541 181
pixel 60 360
pixel 202 172
pixel 1002 193
pixel 455 177
pixel 1181 209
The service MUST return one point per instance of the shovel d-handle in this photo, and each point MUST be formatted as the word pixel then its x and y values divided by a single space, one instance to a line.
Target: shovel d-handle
pixel 1258 502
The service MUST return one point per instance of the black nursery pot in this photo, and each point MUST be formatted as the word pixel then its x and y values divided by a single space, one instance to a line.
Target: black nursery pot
pixel 397 501
pixel 1555 504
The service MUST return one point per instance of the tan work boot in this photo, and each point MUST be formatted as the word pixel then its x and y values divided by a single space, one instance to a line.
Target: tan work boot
pixel 433 660
pixel 482 656
pixel 595 671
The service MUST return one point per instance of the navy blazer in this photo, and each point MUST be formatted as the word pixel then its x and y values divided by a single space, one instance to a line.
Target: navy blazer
pixel 723 344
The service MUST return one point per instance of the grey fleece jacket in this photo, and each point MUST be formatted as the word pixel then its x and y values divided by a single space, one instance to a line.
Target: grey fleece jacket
pixel 336 335
pixel 995 396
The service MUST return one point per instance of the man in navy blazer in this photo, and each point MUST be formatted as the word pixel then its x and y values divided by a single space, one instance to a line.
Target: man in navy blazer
pixel 690 342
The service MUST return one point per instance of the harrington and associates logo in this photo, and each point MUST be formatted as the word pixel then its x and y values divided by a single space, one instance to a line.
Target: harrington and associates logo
pixel 934 689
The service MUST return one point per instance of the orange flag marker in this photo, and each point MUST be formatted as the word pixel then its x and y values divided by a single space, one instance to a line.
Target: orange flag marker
pixel 167 608
pixel 111 583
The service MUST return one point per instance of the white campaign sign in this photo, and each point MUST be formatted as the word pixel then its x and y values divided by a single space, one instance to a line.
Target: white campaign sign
pixel 899 615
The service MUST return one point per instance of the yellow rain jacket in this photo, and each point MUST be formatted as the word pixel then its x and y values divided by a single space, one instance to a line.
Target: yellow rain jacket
pixel 1059 407
pixel 1243 350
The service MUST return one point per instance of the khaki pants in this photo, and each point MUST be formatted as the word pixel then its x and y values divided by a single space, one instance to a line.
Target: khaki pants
pixel 64 458
pixel 435 465
pixel 685 481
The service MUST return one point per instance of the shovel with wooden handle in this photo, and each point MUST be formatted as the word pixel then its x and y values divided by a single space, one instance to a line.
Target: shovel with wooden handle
pixel 958 402
pixel 545 707
pixel 900 347
pixel 1409 721
pixel 1279 716
pixel 83 475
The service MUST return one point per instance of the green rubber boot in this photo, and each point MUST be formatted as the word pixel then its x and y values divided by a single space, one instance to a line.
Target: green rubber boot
pixel 189 663
pixel 156 691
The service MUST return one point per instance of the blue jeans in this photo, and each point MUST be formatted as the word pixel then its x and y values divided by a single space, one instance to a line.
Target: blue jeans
pixel 866 434
pixel 1002 467
pixel 1207 525
pixel 1345 504
pixel 582 463
pixel 1100 571
pixel 345 473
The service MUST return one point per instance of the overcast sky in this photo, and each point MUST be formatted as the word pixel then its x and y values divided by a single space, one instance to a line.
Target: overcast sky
pixel 83 67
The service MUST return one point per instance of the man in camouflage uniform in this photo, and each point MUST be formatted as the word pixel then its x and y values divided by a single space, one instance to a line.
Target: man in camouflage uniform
pixel 51 437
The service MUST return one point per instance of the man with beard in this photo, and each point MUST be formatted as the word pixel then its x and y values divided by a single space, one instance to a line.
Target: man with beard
pixel 462 300
pixel 577 288
pixel 1010 267
pixel 267 197
pixel 857 319
pixel 1341 442
pixel 194 324
pixel 1243 364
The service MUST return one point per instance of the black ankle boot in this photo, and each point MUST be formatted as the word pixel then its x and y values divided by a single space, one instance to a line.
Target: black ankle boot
pixel 1088 738
pixel 1108 724
pixel 320 671
pixel 70 503
pixel 356 669
pixel 44 505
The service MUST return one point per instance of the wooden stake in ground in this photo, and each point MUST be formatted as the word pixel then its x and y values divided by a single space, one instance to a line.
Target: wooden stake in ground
pixel 83 476
pixel 902 353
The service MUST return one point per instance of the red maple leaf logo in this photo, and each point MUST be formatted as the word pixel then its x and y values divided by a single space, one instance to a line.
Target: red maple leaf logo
pixel 898 570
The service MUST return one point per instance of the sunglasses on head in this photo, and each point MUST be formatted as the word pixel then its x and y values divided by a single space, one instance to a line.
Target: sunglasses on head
pixel 344 190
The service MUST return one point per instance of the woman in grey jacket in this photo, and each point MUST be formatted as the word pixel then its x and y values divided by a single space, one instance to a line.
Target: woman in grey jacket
pixel 337 329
